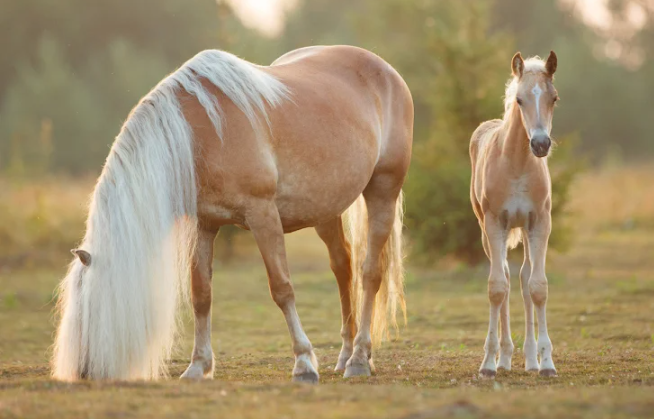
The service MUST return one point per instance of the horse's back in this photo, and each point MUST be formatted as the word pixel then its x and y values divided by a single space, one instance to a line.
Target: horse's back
pixel 349 114
pixel 354 83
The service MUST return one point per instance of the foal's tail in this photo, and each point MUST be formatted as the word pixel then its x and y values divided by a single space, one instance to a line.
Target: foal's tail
pixel 391 291
pixel 514 239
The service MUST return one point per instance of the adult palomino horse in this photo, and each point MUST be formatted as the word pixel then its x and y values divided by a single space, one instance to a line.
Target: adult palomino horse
pixel 271 149
pixel 511 196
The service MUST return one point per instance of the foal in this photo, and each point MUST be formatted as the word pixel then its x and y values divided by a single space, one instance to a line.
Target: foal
pixel 511 196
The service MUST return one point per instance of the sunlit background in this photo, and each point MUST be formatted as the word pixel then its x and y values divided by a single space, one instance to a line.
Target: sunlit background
pixel 71 70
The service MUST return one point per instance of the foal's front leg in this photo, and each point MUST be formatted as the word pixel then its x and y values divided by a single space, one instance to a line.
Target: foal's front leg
pixel 266 226
pixel 538 237
pixel 498 288
pixel 202 362
pixel 529 347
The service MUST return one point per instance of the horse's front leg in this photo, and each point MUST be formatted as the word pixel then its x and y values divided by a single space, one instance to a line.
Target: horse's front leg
pixel 202 362
pixel 498 289
pixel 538 237
pixel 265 224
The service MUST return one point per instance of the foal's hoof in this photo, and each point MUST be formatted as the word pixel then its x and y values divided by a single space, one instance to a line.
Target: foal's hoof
pixel 486 373
pixel 309 377
pixel 547 373
pixel 356 370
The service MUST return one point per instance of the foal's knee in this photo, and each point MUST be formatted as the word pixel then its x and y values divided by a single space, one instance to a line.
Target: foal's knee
pixel 498 287
pixel 538 290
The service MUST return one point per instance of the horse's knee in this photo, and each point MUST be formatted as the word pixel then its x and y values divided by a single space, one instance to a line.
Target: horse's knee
pixel 538 290
pixel 282 294
pixel 498 287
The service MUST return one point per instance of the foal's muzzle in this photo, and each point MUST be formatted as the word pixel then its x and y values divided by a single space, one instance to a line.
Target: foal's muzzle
pixel 540 145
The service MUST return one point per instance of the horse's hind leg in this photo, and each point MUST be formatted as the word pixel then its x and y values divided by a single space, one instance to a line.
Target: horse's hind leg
pixel 339 256
pixel 266 226
pixel 381 198
pixel 202 362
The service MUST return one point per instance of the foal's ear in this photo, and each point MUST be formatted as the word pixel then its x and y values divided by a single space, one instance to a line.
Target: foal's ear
pixel 551 63
pixel 83 255
pixel 517 65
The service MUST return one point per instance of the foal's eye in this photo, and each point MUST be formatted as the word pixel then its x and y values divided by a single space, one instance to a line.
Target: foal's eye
pixel 519 101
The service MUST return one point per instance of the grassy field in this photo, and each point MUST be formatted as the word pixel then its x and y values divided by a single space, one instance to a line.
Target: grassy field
pixel 600 315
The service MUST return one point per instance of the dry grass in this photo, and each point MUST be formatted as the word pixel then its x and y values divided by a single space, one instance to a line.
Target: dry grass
pixel 600 319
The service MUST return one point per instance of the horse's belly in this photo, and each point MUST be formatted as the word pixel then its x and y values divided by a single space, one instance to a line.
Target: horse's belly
pixel 311 202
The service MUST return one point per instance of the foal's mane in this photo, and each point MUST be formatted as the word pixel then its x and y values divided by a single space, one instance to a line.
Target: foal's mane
pixel 532 65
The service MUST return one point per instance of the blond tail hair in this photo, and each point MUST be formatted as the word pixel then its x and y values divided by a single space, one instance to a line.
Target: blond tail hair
pixel 391 292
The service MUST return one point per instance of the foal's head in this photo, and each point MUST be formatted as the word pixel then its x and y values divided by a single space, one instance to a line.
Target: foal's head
pixel 532 90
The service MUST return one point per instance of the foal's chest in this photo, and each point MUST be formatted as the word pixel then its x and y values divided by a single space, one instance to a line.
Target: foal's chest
pixel 518 202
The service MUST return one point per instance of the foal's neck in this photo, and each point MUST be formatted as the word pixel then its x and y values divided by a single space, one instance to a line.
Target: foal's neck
pixel 516 140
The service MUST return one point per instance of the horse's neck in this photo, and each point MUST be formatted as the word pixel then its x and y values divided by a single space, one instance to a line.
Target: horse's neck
pixel 516 140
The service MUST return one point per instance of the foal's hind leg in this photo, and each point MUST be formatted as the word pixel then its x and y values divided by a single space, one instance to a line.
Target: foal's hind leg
pixel 339 256
pixel 202 362
pixel 381 197
pixel 266 226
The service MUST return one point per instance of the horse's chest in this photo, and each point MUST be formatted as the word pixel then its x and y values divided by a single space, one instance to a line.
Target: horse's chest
pixel 518 203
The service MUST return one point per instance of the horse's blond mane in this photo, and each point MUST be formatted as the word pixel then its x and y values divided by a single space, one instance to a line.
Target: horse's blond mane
pixel 532 65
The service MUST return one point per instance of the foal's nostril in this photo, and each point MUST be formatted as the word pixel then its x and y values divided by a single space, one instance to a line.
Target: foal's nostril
pixel 540 145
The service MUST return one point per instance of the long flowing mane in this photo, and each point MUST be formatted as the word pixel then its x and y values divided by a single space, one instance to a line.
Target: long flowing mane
pixel 115 313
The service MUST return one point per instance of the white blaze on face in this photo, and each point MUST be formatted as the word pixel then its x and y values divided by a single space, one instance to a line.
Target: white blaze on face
pixel 537 91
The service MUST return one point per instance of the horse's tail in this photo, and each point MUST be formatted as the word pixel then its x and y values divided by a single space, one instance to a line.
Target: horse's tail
pixel 391 291
pixel 514 238
pixel 118 303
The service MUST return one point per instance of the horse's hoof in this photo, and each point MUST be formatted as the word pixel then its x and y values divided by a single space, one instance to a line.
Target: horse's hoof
pixel 486 373
pixel 354 370
pixel 192 373
pixel 306 377
pixel 340 365
pixel 532 370
pixel 547 373
pixel 503 368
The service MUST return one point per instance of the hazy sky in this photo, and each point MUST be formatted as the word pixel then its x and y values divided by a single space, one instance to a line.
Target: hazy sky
pixel 265 15
pixel 268 15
